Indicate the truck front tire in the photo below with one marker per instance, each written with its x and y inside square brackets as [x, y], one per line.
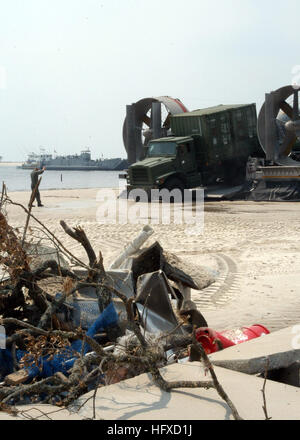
[175, 183]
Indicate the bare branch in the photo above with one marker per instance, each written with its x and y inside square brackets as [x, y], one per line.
[264, 392]
[217, 384]
[35, 189]
[8, 200]
[79, 235]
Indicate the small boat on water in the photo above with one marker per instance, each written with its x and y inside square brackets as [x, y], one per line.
[76, 162]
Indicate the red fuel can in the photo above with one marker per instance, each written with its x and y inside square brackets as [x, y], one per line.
[213, 341]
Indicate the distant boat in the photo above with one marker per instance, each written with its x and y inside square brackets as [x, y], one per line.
[81, 162]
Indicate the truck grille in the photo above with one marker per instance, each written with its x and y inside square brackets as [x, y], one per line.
[139, 175]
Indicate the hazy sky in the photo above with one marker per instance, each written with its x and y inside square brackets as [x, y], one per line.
[71, 66]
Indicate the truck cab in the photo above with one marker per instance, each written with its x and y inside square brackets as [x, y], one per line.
[169, 163]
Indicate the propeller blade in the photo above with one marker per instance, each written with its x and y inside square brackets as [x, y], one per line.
[288, 143]
[296, 116]
[287, 109]
[146, 120]
[166, 123]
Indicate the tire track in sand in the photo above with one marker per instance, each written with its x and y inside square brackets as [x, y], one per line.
[224, 289]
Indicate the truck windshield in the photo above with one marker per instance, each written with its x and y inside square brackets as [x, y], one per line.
[162, 149]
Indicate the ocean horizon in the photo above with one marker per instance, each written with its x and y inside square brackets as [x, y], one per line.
[17, 179]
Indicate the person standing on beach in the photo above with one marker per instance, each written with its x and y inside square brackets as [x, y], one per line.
[34, 180]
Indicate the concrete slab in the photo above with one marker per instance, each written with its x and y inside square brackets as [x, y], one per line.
[140, 399]
[279, 348]
[289, 375]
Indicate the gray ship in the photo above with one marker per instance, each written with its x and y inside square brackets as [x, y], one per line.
[81, 162]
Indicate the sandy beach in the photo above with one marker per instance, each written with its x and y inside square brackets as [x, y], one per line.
[252, 247]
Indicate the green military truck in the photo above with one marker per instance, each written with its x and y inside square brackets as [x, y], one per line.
[207, 147]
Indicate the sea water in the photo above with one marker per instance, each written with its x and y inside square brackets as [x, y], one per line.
[17, 179]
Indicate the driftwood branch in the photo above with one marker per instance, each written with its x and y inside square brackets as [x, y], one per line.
[53, 237]
[79, 235]
[39, 387]
[34, 191]
[168, 386]
[3, 194]
[208, 365]
[96, 269]
[55, 269]
[264, 392]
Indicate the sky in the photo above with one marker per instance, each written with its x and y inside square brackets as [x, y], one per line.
[68, 68]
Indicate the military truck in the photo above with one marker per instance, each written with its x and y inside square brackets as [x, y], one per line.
[207, 147]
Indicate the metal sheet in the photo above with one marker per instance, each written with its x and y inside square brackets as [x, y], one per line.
[153, 322]
[85, 305]
[152, 259]
[122, 281]
[154, 305]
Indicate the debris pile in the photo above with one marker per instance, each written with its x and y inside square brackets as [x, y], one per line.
[73, 327]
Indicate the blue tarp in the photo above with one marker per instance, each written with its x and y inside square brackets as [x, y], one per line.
[63, 361]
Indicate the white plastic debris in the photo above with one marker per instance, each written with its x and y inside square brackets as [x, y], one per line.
[133, 247]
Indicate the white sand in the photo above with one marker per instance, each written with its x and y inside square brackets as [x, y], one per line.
[253, 246]
[10, 164]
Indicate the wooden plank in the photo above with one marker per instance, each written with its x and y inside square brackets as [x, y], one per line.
[17, 378]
